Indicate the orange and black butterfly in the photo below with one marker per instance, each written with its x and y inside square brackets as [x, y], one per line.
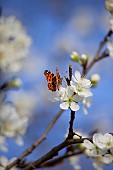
[54, 81]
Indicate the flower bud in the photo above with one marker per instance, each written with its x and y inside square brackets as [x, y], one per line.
[15, 83]
[84, 59]
[95, 78]
[74, 56]
[109, 5]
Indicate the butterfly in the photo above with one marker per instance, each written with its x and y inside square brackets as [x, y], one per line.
[54, 81]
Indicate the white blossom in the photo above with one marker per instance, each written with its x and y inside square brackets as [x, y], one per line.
[101, 149]
[11, 123]
[103, 142]
[81, 85]
[4, 162]
[110, 48]
[24, 102]
[68, 98]
[14, 44]
[70, 95]
[101, 145]
[92, 148]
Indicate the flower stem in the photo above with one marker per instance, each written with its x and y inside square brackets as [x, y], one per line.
[71, 132]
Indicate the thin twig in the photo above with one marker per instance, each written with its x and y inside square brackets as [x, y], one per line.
[34, 145]
[70, 72]
[98, 57]
[70, 76]
[54, 152]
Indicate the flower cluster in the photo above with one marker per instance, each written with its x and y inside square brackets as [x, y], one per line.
[14, 44]
[101, 147]
[78, 90]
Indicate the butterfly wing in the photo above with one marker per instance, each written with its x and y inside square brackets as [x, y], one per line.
[51, 79]
[58, 79]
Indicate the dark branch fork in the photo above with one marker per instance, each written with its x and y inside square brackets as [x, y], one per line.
[54, 152]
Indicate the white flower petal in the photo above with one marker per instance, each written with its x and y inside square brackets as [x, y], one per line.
[102, 152]
[19, 140]
[98, 139]
[108, 138]
[69, 91]
[77, 75]
[74, 106]
[78, 98]
[107, 158]
[85, 93]
[85, 110]
[88, 144]
[73, 79]
[64, 105]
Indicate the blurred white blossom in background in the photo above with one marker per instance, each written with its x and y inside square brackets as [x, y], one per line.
[74, 162]
[24, 102]
[86, 103]
[14, 44]
[11, 123]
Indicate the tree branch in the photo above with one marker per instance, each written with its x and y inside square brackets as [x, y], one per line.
[53, 162]
[60, 159]
[54, 152]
